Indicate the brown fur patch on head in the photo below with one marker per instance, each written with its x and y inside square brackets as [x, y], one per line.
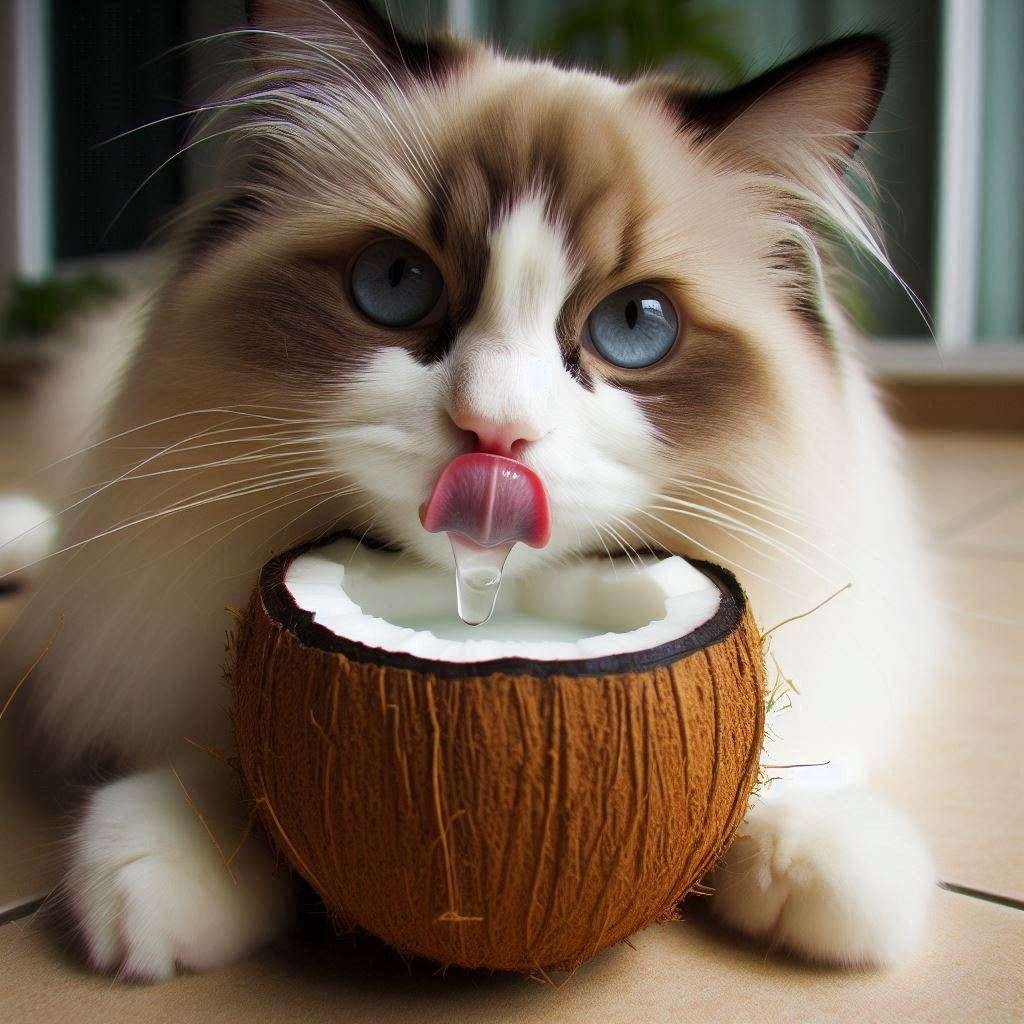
[536, 138]
[581, 146]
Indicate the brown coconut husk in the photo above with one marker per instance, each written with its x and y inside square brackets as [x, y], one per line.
[512, 816]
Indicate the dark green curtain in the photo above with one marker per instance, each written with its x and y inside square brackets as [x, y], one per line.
[111, 71]
[114, 68]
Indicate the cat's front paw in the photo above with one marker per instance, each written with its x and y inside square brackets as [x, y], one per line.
[151, 892]
[839, 877]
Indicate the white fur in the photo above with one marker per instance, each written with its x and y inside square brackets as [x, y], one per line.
[142, 586]
[507, 379]
[836, 875]
[150, 889]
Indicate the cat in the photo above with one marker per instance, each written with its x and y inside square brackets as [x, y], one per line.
[422, 248]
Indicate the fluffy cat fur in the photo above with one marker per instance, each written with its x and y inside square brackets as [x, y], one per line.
[259, 408]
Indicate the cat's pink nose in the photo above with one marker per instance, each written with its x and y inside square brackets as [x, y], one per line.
[494, 438]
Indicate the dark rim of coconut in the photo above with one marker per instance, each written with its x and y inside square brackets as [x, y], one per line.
[281, 607]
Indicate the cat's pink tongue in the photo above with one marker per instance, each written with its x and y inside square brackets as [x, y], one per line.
[490, 501]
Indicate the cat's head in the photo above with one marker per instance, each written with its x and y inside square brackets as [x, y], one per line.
[433, 248]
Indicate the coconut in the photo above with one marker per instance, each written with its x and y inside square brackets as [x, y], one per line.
[515, 796]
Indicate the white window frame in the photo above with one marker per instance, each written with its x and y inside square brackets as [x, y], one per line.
[26, 204]
[960, 157]
[956, 351]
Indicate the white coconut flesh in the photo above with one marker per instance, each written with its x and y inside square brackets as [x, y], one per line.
[591, 609]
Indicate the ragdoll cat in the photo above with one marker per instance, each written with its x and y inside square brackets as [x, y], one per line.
[425, 249]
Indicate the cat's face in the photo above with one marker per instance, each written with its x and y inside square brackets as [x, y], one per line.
[537, 262]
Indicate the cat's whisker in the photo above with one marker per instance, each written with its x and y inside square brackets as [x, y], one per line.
[725, 559]
[736, 536]
[284, 430]
[734, 525]
[180, 152]
[581, 508]
[341, 492]
[271, 482]
[767, 502]
[300, 457]
[261, 455]
[292, 436]
[274, 505]
[290, 100]
[133, 536]
[236, 489]
[96, 492]
[241, 485]
[786, 549]
[617, 537]
[219, 410]
[131, 473]
[141, 520]
[646, 539]
[632, 528]
[861, 553]
[329, 495]
[599, 534]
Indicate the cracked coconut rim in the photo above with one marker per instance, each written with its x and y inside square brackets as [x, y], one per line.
[591, 618]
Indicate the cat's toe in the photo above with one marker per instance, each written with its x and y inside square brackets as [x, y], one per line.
[151, 892]
[839, 877]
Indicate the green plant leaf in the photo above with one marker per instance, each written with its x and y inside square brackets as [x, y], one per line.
[38, 307]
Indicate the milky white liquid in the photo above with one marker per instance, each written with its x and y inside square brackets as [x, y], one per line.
[507, 626]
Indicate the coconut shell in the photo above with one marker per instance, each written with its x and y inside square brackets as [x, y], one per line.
[510, 815]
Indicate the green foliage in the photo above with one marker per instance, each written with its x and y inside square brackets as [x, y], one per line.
[37, 307]
[629, 36]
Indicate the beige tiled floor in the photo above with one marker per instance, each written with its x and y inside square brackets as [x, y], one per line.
[960, 774]
[675, 974]
[959, 473]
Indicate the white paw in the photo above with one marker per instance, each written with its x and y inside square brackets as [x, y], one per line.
[150, 891]
[27, 533]
[839, 877]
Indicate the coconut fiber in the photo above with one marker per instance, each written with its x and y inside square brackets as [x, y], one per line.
[515, 816]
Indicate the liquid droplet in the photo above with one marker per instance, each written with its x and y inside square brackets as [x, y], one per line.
[477, 578]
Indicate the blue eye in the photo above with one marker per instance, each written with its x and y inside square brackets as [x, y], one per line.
[394, 283]
[634, 327]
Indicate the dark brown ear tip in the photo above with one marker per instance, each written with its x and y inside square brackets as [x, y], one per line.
[872, 47]
[875, 51]
[870, 44]
[255, 11]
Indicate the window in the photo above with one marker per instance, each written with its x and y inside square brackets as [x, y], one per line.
[946, 148]
[1000, 298]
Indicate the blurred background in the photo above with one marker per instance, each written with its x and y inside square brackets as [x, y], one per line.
[79, 205]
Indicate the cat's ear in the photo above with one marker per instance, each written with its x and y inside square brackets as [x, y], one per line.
[817, 106]
[371, 38]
